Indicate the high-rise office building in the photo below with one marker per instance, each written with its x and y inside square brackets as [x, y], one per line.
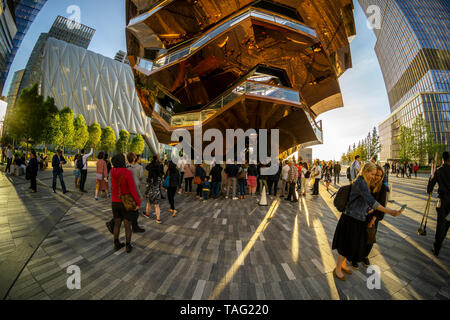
[8, 30]
[23, 12]
[13, 94]
[62, 29]
[121, 56]
[413, 50]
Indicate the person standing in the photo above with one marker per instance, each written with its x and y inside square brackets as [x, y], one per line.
[337, 172]
[284, 179]
[138, 177]
[304, 177]
[189, 172]
[33, 168]
[356, 167]
[76, 172]
[174, 180]
[181, 163]
[327, 174]
[122, 183]
[232, 171]
[57, 163]
[200, 175]
[9, 159]
[316, 174]
[292, 180]
[216, 179]
[251, 179]
[242, 179]
[416, 169]
[84, 167]
[101, 175]
[153, 190]
[442, 178]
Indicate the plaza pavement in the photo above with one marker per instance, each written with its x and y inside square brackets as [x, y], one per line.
[221, 249]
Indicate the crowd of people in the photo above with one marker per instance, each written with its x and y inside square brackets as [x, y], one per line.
[403, 169]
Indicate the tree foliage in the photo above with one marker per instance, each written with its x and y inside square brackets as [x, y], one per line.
[66, 127]
[137, 144]
[81, 133]
[366, 148]
[95, 135]
[406, 144]
[108, 139]
[122, 144]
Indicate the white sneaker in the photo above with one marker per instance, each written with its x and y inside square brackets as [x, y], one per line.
[235, 198]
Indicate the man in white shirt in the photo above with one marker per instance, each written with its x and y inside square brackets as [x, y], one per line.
[356, 167]
[316, 173]
[284, 178]
[84, 169]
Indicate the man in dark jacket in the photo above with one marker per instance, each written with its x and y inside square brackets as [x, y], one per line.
[337, 172]
[442, 178]
[216, 175]
[273, 181]
[232, 171]
[57, 163]
[33, 168]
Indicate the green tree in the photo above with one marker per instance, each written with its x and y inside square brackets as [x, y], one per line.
[25, 122]
[95, 135]
[66, 127]
[123, 143]
[375, 146]
[137, 144]
[108, 139]
[81, 133]
[51, 128]
[406, 144]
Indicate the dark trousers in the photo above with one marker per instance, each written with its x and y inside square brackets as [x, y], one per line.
[215, 189]
[199, 189]
[171, 195]
[61, 180]
[33, 183]
[181, 179]
[83, 179]
[316, 186]
[273, 184]
[442, 224]
[8, 165]
[241, 187]
[336, 178]
[292, 194]
[188, 184]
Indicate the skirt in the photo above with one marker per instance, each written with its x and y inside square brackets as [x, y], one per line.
[77, 173]
[251, 180]
[153, 192]
[350, 238]
[119, 212]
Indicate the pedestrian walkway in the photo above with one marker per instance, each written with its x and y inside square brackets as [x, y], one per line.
[221, 249]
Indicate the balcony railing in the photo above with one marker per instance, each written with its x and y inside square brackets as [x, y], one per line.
[148, 68]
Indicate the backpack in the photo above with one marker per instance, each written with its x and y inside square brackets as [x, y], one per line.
[341, 198]
[348, 174]
[80, 163]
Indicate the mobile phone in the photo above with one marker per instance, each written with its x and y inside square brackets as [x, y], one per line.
[403, 207]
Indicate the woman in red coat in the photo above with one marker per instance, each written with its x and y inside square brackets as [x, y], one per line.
[120, 214]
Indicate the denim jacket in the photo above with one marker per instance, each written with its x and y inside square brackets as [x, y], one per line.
[361, 201]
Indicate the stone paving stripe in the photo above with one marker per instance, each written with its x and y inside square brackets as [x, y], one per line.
[288, 271]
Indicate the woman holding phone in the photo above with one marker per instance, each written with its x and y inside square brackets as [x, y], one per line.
[350, 238]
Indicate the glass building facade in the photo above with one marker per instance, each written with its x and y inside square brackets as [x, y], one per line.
[25, 11]
[413, 50]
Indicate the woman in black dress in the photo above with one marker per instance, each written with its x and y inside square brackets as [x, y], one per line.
[153, 191]
[174, 180]
[350, 238]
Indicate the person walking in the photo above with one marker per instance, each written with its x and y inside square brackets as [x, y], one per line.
[337, 172]
[33, 168]
[327, 174]
[416, 169]
[316, 174]
[122, 184]
[350, 237]
[252, 173]
[305, 171]
[57, 163]
[216, 180]
[174, 180]
[101, 176]
[9, 160]
[292, 180]
[284, 179]
[84, 167]
[232, 170]
[180, 165]
[153, 190]
[442, 178]
[355, 167]
[138, 178]
[189, 172]
[206, 188]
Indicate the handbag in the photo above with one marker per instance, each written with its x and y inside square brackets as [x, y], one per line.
[127, 199]
[197, 180]
[371, 235]
[166, 183]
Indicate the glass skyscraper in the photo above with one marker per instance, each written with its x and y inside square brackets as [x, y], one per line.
[413, 50]
[24, 11]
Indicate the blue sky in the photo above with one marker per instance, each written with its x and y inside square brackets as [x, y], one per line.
[365, 98]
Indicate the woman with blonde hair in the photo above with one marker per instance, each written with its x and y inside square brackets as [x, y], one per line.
[350, 238]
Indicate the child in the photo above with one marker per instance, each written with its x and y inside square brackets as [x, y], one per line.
[206, 188]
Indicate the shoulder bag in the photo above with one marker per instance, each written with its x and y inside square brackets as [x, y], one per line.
[127, 199]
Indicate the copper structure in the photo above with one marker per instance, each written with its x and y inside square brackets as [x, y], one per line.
[240, 63]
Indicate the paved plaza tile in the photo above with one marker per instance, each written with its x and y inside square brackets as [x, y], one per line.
[221, 249]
